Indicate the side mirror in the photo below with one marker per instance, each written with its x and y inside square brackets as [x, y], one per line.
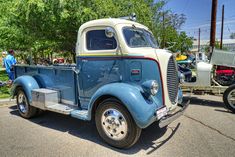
[109, 32]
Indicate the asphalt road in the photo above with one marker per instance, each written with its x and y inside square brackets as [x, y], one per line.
[206, 129]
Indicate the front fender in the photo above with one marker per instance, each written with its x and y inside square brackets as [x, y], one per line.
[142, 110]
[28, 83]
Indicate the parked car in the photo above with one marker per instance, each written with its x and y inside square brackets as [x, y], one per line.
[206, 80]
[180, 57]
[121, 80]
[186, 62]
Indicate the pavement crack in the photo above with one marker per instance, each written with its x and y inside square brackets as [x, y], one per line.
[214, 129]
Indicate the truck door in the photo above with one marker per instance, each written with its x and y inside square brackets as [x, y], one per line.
[100, 64]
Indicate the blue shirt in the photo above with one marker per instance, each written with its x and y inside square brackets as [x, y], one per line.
[8, 62]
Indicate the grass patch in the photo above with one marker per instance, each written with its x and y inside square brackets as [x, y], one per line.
[5, 90]
[3, 75]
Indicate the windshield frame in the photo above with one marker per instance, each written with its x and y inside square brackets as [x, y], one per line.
[151, 39]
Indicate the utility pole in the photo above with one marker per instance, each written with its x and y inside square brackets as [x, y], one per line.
[199, 38]
[163, 25]
[213, 25]
[222, 29]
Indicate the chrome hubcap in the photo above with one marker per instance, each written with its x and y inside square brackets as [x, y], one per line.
[114, 124]
[22, 102]
[231, 98]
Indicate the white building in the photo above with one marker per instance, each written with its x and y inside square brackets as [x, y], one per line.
[228, 43]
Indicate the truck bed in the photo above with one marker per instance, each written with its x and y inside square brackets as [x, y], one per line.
[60, 78]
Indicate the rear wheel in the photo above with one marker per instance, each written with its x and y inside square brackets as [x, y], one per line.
[24, 108]
[115, 124]
[225, 80]
[229, 98]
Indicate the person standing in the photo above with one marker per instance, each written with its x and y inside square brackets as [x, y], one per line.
[4, 53]
[9, 61]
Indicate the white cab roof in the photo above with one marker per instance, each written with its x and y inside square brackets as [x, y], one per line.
[112, 22]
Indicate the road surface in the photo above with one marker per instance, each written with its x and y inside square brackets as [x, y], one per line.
[206, 129]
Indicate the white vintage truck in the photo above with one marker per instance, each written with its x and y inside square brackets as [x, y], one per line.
[121, 80]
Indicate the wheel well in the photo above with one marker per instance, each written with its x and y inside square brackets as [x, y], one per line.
[98, 101]
[15, 90]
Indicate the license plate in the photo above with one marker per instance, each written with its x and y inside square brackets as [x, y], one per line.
[162, 112]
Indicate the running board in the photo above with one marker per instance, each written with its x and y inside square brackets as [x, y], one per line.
[69, 110]
[61, 108]
[80, 114]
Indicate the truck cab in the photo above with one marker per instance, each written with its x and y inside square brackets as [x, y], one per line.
[121, 80]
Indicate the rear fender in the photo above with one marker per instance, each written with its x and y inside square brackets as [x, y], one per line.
[28, 83]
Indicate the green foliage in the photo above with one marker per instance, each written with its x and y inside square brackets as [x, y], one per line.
[166, 24]
[3, 75]
[217, 46]
[4, 91]
[42, 27]
[185, 42]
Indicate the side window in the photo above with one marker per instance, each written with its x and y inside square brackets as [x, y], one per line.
[97, 40]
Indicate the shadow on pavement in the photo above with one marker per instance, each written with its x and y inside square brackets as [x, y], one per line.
[173, 131]
[87, 130]
[225, 111]
[13, 107]
[203, 102]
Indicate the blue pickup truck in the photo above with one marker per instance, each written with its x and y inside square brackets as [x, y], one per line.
[121, 80]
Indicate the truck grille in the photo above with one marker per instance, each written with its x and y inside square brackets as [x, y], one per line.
[172, 80]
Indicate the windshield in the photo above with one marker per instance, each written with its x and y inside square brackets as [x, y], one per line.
[136, 37]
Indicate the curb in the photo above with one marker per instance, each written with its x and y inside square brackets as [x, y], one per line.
[6, 102]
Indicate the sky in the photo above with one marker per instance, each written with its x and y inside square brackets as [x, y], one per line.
[198, 14]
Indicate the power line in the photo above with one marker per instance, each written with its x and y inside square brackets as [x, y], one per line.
[192, 24]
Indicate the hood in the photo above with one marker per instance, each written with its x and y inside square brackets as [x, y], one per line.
[163, 57]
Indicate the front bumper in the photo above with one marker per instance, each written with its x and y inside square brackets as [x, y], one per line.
[170, 117]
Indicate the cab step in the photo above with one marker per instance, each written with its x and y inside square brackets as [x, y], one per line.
[61, 108]
[80, 114]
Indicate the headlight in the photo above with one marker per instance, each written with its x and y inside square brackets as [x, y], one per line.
[182, 78]
[150, 87]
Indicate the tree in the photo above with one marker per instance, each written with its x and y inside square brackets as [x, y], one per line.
[42, 27]
[166, 26]
[217, 46]
[185, 42]
[39, 22]
[232, 36]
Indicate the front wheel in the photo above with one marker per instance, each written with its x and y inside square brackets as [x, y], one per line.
[115, 124]
[24, 108]
[229, 98]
